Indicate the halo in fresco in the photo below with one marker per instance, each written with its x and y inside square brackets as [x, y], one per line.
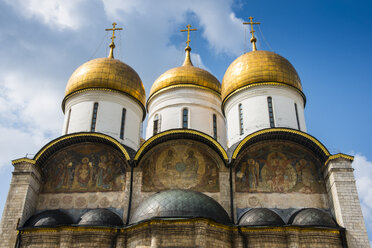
[277, 166]
[180, 164]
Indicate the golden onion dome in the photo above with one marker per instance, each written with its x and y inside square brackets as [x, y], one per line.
[185, 76]
[106, 74]
[259, 68]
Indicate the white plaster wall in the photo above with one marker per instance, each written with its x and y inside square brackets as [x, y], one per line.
[202, 104]
[256, 113]
[110, 105]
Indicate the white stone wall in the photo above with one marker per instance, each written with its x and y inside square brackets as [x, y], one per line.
[21, 201]
[344, 201]
[256, 113]
[202, 104]
[110, 106]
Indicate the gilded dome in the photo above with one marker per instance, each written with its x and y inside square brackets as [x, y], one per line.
[185, 76]
[258, 67]
[107, 73]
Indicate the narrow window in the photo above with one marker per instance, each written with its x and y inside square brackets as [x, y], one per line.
[271, 113]
[298, 120]
[122, 123]
[94, 117]
[185, 118]
[68, 120]
[214, 126]
[241, 127]
[156, 124]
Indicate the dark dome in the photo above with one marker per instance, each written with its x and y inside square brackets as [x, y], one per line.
[178, 203]
[312, 217]
[261, 217]
[100, 217]
[48, 218]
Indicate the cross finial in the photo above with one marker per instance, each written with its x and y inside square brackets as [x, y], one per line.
[188, 48]
[253, 39]
[188, 33]
[112, 45]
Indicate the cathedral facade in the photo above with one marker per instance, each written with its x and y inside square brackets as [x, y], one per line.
[222, 165]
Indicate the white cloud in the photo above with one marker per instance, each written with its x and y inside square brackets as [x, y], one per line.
[152, 26]
[363, 176]
[215, 16]
[59, 14]
[29, 114]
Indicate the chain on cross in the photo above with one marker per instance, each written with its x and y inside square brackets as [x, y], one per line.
[253, 39]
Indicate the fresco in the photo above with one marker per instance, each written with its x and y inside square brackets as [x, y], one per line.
[180, 164]
[282, 167]
[84, 167]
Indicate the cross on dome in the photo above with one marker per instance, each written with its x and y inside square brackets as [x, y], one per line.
[112, 45]
[188, 48]
[188, 33]
[253, 39]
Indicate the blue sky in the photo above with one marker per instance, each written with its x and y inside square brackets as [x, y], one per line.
[328, 42]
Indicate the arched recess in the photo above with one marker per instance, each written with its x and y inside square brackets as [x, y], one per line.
[279, 168]
[82, 163]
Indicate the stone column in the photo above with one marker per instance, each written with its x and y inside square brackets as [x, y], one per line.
[21, 201]
[344, 200]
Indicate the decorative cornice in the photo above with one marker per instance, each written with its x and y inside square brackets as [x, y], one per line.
[180, 131]
[180, 86]
[70, 136]
[193, 221]
[68, 228]
[103, 89]
[23, 160]
[284, 130]
[339, 155]
[289, 229]
[261, 84]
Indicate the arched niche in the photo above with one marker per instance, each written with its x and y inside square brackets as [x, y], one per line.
[181, 164]
[278, 166]
[85, 166]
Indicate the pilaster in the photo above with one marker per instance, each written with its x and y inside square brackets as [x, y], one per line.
[344, 200]
[21, 200]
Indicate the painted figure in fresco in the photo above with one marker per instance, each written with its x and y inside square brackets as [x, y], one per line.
[300, 166]
[104, 173]
[254, 173]
[83, 174]
[249, 173]
[192, 164]
[278, 172]
[59, 175]
[168, 161]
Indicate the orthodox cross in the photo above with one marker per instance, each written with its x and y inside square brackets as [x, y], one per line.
[253, 39]
[112, 45]
[188, 33]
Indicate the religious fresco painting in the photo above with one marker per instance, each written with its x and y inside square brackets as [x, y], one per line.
[281, 167]
[180, 164]
[85, 167]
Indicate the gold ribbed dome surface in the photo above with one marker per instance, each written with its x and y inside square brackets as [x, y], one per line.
[186, 75]
[107, 73]
[259, 67]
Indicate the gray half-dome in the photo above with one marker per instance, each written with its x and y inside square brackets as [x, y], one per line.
[312, 217]
[100, 217]
[179, 203]
[261, 217]
[49, 218]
